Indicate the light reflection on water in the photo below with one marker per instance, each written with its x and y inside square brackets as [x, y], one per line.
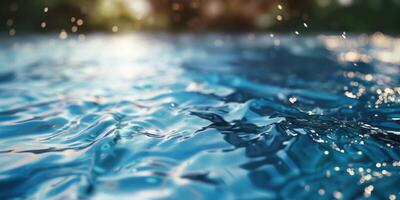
[200, 116]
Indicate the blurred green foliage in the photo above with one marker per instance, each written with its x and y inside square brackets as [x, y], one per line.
[202, 15]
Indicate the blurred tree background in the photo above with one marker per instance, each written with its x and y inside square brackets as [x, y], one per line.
[77, 16]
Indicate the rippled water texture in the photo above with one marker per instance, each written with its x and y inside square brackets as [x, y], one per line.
[156, 116]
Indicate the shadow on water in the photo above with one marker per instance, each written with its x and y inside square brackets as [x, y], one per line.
[296, 145]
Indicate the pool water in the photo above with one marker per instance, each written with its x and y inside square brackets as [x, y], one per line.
[161, 116]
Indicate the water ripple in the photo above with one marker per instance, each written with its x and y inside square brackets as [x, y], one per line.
[241, 118]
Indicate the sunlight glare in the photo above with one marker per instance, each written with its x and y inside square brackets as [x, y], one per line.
[139, 8]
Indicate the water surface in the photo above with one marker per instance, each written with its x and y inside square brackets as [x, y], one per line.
[158, 116]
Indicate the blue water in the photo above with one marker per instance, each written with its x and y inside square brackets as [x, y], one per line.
[159, 116]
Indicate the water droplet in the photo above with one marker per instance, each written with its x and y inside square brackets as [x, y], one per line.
[43, 24]
[344, 35]
[79, 22]
[368, 77]
[10, 22]
[74, 29]
[338, 195]
[12, 32]
[63, 35]
[368, 190]
[114, 29]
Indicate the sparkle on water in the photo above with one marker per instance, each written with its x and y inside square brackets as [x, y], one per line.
[157, 116]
